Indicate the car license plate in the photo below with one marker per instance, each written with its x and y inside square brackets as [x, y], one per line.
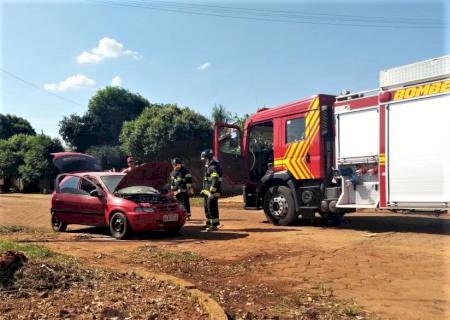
[170, 217]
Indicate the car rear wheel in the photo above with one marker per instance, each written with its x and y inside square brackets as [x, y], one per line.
[119, 226]
[279, 206]
[57, 225]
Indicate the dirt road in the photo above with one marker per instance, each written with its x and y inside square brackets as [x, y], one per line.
[393, 265]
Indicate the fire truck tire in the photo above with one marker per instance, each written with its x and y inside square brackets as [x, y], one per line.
[279, 206]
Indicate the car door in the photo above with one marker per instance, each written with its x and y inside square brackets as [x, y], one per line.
[73, 204]
[228, 149]
[93, 202]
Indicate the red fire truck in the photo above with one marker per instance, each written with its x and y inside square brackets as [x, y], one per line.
[387, 148]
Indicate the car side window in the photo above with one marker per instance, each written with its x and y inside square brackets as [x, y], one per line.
[87, 187]
[69, 184]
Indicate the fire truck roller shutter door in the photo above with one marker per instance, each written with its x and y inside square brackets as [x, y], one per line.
[419, 152]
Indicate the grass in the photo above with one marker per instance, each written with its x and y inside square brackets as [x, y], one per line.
[173, 256]
[352, 311]
[25, 230]
[13, 229]
[31, 251]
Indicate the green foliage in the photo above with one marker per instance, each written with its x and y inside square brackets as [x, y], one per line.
[28, 157]
[31, 251]
[240, 120]
[109, 156]
[164, 131]
[37, 159]
[102, 123]
[76, 131]
[11, 154]
[221, 115]
[11, 125]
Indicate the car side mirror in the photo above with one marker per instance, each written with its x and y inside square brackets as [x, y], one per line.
[97, 193]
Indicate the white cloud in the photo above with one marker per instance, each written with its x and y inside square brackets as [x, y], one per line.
[204, 66]
[116, 81]
[107, 48]
[74, 82]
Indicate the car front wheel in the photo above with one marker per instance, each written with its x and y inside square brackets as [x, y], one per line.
[119, 226]
[57, 225]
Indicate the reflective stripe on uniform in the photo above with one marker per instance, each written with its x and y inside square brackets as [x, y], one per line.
[214, 220]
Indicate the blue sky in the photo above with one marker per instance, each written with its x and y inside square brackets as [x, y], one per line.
[247, 64]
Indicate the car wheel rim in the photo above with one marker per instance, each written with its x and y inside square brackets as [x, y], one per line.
[278, 206]
[55, 222]
[118, 224]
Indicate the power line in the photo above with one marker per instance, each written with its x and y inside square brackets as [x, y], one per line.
[294, 13]
[276, 15]
[39, 88]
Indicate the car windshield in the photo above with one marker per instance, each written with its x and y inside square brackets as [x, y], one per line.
[111, 181]
[137, 190]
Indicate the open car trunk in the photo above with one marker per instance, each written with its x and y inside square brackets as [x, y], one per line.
[70, 162]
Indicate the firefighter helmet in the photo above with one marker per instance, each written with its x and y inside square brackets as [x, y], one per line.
[207, 154]
[176, 161]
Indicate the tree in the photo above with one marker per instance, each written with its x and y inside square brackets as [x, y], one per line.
[220, 114]
[28, 157]
[11, 155]
[76, 132]
[11, 125]
[164, 131]
[240, 120]
[102, 123]
[37, 158]
[109, 156]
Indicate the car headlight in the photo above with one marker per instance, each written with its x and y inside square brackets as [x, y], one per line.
[144, 209]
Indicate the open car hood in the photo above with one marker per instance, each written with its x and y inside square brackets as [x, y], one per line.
[151, 174]
[68, 162]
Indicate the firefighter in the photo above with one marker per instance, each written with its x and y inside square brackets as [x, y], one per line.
[181, 184]
[211, 190]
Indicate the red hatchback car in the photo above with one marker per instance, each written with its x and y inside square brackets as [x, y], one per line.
[125, 203]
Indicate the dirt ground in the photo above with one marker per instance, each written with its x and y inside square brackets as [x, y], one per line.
[55, 290]
[392, 265]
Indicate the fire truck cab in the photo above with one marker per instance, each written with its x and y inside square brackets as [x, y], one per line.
[385, 148]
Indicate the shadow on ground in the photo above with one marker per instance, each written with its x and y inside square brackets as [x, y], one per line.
[394, 223]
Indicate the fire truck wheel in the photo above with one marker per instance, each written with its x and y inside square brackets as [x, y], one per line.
[279, 206]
